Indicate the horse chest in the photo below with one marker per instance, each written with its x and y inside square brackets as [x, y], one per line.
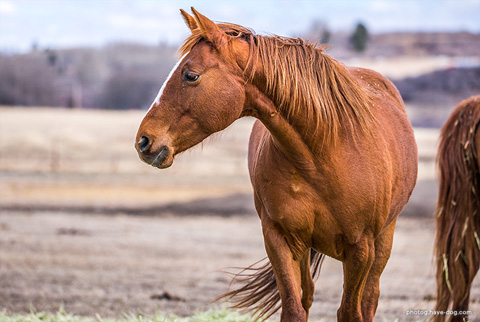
[287, 198]
[294, 205]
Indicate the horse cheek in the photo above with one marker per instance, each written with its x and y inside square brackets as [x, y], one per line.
[224, 104]
[233, 102]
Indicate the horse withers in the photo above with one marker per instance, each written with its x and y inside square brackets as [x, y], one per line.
[332, 157]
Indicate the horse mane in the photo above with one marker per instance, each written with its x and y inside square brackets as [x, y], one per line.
[301, 78]
[457, 245]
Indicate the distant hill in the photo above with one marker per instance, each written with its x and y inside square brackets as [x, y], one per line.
[430, 98]
[387, 45]
[445, 87]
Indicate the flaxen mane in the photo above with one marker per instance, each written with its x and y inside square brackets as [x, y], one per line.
[457, 246]
[300, 75]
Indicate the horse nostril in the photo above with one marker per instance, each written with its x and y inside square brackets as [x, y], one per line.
[143, 144]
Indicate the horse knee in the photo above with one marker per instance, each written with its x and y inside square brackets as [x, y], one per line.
[344, 314]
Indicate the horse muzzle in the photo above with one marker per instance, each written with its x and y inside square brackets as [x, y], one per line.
[161, 157]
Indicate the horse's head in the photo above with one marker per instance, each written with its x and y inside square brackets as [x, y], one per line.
[204, 94]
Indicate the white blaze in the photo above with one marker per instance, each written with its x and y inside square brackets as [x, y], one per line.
[157, 99]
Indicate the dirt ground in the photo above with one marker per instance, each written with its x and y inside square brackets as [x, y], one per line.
[86, 226]
[116, 263]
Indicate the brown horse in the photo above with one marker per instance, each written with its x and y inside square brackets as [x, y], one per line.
[457, 244]
[332, 157]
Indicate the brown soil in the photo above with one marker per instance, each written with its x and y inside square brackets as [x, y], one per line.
[116, 263]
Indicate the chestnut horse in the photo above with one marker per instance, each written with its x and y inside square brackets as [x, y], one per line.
[332, 157]
[457, 244]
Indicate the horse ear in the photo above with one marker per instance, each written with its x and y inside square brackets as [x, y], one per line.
[210, 30]
[189, 20]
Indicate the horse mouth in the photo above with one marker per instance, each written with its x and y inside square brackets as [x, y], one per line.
[163, 159]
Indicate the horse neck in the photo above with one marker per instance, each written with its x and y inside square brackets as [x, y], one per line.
[311, 95]
[319, 112]
[294, 136]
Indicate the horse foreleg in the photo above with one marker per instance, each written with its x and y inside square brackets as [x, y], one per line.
[371, 293]
[287, 273]
[356, 266]
[308, 286]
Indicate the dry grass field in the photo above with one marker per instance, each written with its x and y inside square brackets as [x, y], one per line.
[85, 225]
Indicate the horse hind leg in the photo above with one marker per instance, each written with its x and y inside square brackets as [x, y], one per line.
[371, 292]
[308, 285]
[310, 268]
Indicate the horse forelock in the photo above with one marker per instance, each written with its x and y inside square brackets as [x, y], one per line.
[197, 35]
[302, 80]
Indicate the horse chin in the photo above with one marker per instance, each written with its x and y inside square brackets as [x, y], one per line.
[164, 158]
[166, 164]
[163, 164]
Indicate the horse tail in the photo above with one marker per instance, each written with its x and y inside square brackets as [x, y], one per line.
[457, 243]
[259, 293]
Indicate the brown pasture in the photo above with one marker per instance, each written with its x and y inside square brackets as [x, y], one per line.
[87, 230]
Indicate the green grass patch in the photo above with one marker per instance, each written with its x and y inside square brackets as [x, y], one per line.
[222, 315]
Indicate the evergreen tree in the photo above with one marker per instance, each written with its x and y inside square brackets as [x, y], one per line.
[359, 38]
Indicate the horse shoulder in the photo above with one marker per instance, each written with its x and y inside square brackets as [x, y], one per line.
[257, 136]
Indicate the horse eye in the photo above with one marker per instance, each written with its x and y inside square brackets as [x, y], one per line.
[190, 76]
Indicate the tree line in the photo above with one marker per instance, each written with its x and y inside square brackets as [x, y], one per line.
[118, 76]
[126, 76]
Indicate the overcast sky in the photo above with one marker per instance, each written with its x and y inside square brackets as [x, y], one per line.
[67, 23]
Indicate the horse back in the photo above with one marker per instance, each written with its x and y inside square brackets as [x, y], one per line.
[376, 82]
